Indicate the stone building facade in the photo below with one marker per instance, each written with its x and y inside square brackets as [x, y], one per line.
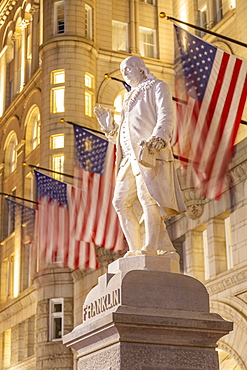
[53, 57]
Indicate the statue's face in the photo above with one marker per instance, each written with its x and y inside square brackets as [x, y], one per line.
[131, 73]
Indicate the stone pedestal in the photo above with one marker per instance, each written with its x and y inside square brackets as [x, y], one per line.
[142, 316]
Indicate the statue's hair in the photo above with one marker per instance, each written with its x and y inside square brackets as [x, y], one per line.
[136, 61]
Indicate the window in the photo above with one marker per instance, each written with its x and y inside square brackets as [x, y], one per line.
[29, 52]
[58, 91]
[36, 131]
[203, 19]
[7, 349]
[56, 319]
[32, 124]
[206, 254]
[10, 154]
[57, 141]
[88, 104]
[59, 23]
[89, 80]
[7, 278]
[228, 235]
[148, 42]
[89, 95]
[151, 2]
[58, 165]
[219, 10]
[88, 21]
[119, 36]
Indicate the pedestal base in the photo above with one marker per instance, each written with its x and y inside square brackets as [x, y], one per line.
[144, 319]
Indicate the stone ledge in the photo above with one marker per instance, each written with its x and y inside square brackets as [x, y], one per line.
[165, 263]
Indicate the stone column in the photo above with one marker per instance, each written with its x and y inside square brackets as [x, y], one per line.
[143, 316]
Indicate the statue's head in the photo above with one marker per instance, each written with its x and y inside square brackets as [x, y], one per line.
[134, 71]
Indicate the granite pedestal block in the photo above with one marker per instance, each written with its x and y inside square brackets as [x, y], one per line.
[142, 317]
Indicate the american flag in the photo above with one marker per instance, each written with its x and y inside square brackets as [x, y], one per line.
[213, 86]
[27, 219]
[56, 216]
[95, 174]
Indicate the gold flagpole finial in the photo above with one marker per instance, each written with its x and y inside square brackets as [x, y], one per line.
[162, 15]
[107, 76]
[62, 120]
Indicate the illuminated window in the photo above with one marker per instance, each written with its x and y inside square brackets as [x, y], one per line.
[7, 349]
[59, 22]
[10, 153]
[119, 36]
[13, 156]
[57, 92]
[58, 77]
[4, 280]
[58, 165]
[57, 141]
[148, 42]
[88, 21]
[32, 124]
[88, 104]
[56, 319]
[206, 254]
[7, 278]
[29, 52]
[36, 131]
[89, 80]
[228, 235]
[57, 96]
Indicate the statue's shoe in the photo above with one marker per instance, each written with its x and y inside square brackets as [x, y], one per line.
[147, 251]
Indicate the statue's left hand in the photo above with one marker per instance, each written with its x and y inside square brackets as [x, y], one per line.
[155, 142]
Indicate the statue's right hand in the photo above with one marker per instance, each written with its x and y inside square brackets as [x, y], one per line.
[104, 118]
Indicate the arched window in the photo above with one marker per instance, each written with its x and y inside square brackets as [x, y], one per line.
[10, 153]
[32, 129]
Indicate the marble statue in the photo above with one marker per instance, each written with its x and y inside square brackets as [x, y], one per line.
[147, 193]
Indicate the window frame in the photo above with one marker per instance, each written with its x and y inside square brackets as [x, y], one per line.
[89, 96]
[89, 22]
[116, 37]
[143, 44]
[53, 315]
[56, 88]
[56, 20]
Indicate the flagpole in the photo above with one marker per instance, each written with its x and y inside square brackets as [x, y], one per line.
[63, 120]
[14, 196]
[47, 169]
[163, 15]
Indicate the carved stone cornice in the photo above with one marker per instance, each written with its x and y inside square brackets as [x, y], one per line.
[227, 281]
[238, 173]
[5, 9]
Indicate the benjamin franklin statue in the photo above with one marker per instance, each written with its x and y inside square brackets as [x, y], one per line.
[146, 194]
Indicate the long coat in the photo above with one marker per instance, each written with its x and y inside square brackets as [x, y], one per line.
[148, 110]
